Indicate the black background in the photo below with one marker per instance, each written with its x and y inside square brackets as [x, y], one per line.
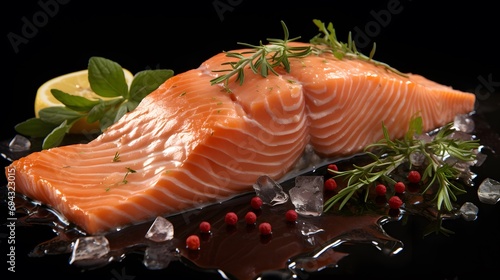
[452, 43]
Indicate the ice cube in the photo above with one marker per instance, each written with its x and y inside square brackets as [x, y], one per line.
[469, 211]
[307, 195]
[480, 159]
[309, 230]
[89, 248]
[417, 158]
[489, 191]
[269, 191]
[159, 257]
[161, 230]
[464, 123]
[19, 143]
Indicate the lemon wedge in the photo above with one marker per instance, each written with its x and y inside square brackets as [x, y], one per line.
[75, 83]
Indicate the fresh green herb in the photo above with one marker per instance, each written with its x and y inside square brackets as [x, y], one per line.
[388, 154]
[107, 80]
[129, 170]
[262, 59]
[340, 50]
[116, 158]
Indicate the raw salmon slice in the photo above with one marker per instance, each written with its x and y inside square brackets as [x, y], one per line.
[189, 143]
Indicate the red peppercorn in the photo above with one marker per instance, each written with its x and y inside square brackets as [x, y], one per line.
[330, 184]
[291, 215]
[380, 189]
[193, 242]
[205, 227]
[256, 202]
[250, 218]
[414, 176]
[265, 228]
[332, 167]
[395, 202]
[231, 218]
[399, 187]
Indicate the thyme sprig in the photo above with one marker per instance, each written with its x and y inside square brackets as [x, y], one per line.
[327, 37]
[262, 58]
[392, 153]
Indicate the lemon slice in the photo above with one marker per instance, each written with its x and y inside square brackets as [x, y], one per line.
[76, 83]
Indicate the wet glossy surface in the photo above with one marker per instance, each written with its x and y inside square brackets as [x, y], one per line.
[363, 236]
[416, 36]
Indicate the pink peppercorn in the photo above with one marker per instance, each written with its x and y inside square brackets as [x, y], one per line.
[231, 218]
[332, 167]
[291, 215]
[250, 218]
[330, 184]
[256, 202]
[205, 227]
[399, 187]
[265, 228]
[193, 242]
[380, 189]
[395, 202]
[414, 176]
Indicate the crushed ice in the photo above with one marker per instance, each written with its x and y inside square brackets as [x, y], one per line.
[270, 191]
[161, 230]
[309, 232]
[489, 191]
[464, 123]
[89, 248]
[469, 211]
[307, 195]
[19, 143]
[159, 256]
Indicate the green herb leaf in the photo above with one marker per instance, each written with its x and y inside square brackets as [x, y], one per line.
[74, 102]
[262, 59]
[106, 78]
[122, 110]
[108, 118]
[56, 136]
[35, 128]
[328, 40]
[58, 114]
[392, 153]
[146, 81]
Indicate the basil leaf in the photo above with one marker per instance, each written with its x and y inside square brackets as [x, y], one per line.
[96, 112]
[146, 81]
[34, 127]
[74, 102]
[132, 104]
[122, 110]
[106, 78]
[55, 137]
[58, 114]
[108, 118]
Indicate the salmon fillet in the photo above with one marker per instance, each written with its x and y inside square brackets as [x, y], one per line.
[189, 143]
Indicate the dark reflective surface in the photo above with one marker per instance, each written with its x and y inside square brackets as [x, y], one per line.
[451, 45]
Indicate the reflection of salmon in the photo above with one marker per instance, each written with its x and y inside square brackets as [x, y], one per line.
[190, 143]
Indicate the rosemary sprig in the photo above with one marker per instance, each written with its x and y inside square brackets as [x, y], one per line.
[392, 153]
[341, 50]
[262, 59]
[129, 170]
